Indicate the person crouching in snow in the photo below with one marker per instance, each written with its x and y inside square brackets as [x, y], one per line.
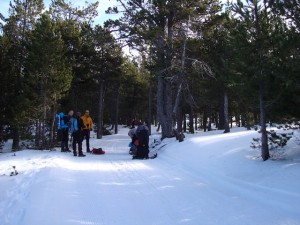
[131, 134]
[76, 132]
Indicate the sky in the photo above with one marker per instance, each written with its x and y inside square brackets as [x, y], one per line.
[100, 19]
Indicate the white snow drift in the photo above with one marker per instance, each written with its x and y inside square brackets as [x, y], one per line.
[210, 178]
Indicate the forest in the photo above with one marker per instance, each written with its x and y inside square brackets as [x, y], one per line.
[199, 64]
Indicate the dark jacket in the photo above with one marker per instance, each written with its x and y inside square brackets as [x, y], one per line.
[80, 123]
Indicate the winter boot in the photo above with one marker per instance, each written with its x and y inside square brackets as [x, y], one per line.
[80, 154]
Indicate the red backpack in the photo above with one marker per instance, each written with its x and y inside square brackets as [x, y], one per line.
[98, 151]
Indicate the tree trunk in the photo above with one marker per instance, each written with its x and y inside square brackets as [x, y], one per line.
[264, 136]
[100, 110]
[164, 107]
[209, 119]
[179, 119]
[44, 125]
[177, 110]
[158, 127]
[169, 119]
[16, 138]
[1, 138]
[204, 121]
[184, 122]
[150, 107]
[191, 121]
[37, 133]
[259, 44]
[243, 119]
[226, 115]
[237, 120]
[164, 44]
[248, 121]
[221, 125]
[155, 121]
[196, 122]
[117, 112]
[52, 129]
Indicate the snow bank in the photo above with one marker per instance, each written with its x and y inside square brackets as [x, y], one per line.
[210, 178]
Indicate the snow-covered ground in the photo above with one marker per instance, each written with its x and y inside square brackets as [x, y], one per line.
[209, 179]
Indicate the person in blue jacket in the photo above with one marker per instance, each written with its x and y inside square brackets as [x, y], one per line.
[65, 131]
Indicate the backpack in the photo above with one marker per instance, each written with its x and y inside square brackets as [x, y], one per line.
[60, 121]
[98, 151]
[73, 125]
[143, 137]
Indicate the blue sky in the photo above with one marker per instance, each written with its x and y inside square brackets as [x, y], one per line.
[103, 5]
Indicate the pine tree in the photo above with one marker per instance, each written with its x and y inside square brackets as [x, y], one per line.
[17, 35]
[157, 24]
[260, 33]
[49, 72]
[106, 62]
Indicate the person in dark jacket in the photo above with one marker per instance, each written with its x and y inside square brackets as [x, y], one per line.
[65, 132]
[77, 134]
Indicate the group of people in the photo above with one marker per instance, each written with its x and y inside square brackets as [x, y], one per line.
[77, 128]
[140, 140]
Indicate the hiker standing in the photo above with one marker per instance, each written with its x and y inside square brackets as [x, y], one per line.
[65, 132]
[76, 132]
[142, 135]
[87, 127]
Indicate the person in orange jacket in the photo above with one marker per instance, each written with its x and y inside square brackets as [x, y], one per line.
[87, 127]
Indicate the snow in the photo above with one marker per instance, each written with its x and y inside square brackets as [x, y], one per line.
[211, 179]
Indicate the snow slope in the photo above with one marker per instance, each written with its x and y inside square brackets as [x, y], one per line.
[209, 179]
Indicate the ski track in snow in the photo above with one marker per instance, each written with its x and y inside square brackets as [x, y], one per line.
[194, 182]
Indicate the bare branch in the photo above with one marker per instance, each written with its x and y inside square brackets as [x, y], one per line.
[203, 67]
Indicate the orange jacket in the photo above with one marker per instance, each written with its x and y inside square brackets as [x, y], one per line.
[87, 122]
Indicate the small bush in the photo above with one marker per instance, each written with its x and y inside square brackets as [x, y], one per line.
[277, 140]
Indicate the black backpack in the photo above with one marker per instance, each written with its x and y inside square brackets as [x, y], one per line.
[143, 137]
